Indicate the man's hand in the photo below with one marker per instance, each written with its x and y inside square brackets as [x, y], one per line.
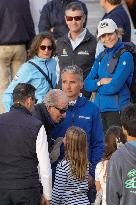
[104, 81]
[44, 201]
[91, 181]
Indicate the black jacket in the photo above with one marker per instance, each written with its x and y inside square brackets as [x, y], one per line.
[16, 24]
[52, 16]
[83, 56]
[18, 158]
[41, 113]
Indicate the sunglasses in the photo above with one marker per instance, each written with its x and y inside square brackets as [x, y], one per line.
[76, 18]
[43, 48]
[62, 111]
[34, 99]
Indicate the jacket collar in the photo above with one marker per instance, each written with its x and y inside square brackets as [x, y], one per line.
[116, 47]
[86, 38]
[81, 100]
[19, 107]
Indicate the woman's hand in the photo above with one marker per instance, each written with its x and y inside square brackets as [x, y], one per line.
[104, 81]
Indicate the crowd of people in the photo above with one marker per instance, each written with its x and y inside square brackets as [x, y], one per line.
[68, 119]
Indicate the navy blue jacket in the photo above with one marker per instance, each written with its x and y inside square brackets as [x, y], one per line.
[52, 16]
[16, 24]
[18, 158]
[121, 18]
[85, 115]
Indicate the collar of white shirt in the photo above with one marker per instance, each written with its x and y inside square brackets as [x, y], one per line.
[78, 40]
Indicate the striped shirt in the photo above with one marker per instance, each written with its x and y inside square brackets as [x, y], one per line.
[67, 189]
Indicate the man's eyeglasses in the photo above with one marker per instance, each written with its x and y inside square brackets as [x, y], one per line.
[62, 111]
[43, 48]
[76, 18]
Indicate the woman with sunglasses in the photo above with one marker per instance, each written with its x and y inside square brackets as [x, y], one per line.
[111, 85]
[40, 54]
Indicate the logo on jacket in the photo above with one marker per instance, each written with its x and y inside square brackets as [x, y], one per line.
[131, 182]
[83, 53]
[64, 52]
[16, 77]
[84, 117]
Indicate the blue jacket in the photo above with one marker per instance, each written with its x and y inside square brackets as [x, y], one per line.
[115, 95]
[85, 115]
[30, 74]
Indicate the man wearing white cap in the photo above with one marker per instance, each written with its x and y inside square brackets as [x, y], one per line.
[111, 86]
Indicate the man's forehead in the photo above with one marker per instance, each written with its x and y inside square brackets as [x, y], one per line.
[73, 13]
[70, 75]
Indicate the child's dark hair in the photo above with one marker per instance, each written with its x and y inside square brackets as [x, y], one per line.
[114, 137]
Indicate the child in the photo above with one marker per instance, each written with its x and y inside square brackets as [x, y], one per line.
[71, 179]
[114, 139]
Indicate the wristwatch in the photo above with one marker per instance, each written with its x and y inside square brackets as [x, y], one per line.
[99, 83]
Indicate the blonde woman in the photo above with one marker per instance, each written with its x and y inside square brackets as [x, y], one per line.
[71, 179]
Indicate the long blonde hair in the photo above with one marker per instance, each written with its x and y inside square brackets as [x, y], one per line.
[76, 151]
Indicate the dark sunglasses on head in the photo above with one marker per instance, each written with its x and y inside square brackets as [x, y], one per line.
[43, 48]
[76, 18]
[62, 111]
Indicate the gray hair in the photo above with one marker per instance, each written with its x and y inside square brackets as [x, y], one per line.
[53, 96]
[74, 6]
[74, 69]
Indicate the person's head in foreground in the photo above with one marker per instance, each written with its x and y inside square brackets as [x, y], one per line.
[56, 103]
[75, 142]
[108, 33]
[114, 138]
[24, 94]
[128, 120]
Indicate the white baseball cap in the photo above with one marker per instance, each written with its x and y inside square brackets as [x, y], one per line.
[106, 26]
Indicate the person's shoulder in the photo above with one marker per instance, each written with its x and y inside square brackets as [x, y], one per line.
[119, 154]
[63, 164]
[48, 5]
[62, 39]
[91, 105]
[99, 165]
[90, 35]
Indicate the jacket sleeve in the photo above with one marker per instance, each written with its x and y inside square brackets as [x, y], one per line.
[22, 76]
[44, 22]
[114, 183]
[90, 83]
[96, 142]
[59, 184]
[123, 70]
[44, 163]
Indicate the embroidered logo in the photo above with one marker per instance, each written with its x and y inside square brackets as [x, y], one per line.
[16, 77]
[64, 52]
[83, 53]
[131, 182]
[124, 63]
[84, 117]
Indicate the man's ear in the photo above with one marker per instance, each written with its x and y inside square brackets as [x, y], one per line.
[81, 84]
[124, 131]
[84, 17]
[65, 19]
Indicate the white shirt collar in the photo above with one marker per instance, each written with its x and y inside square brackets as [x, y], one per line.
[78, 40]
